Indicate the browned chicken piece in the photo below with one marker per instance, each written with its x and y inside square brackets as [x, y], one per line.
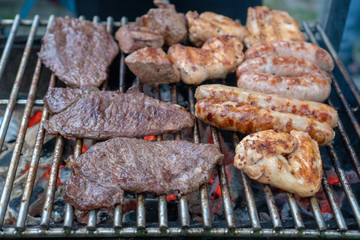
[152, 65]
[167, 21]
[215, 59]
[132, 38]
[288, 161]
[208, 24]
[266, 25]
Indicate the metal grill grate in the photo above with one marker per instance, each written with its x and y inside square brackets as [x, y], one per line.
[348, 111]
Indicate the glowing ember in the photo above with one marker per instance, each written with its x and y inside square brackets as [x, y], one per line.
[217, 193]
[84, 149]
[35, 118]
[171, 197]
[47, 174]
[149, 138]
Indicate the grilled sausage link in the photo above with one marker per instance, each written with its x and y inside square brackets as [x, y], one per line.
[309, 87]
[315, 110]
[282, 66]
[302, 50]
[248, 119]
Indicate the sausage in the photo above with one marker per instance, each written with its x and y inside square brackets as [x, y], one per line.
[281, 66]
[308, 87]
[315, 110]
[249, 119]
[302, 50]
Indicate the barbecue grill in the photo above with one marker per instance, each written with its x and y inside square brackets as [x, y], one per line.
[345, 98]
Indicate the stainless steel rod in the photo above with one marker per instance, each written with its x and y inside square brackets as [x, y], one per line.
[21, 102]
[163, 217]
[19, 76]
[333, 204]
[118, 216]
[270, 201]
[225, 192]
[317, 214]
[91, 225]
[31, 175]
[203, 188]
[140, 211]
[28, 22]
[295, 211]
[345, 183]
[122, 63]
[69, 213]
[50, 192]
[19, 143]
[250, 201]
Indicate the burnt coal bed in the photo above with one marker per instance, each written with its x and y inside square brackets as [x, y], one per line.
[105, 216]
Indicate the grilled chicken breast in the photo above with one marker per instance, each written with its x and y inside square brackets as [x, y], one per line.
[152, 66]
[288, 161]
[209, 24]
[266, 25]
[215, 59]
[132, 38]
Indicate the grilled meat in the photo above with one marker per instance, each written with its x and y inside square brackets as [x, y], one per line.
[58, 99]
[288, 161]
[315, 110]
[167, 21]
[266, 25]
[249, 119]
[208, 25]
[215, 59]
[78, 52]
[113, 114]
[152, 66]
[107, 169]
[281, 66]
[132, 38]
[302, 50]
[309, 87]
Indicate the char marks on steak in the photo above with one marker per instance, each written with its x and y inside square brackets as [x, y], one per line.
[102, 174]
[78, 52]
[104, 115]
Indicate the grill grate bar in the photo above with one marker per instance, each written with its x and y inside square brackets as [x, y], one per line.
[50, 192]
[21, 102]
[225, 192]
[203, 188]
[317, 214]
[184, 208]
[295, 211]
[354, 158]
[69, 213]
[19, 139]
[16, 86]
[9, 42]
[250, 201]
[340, 65]
[345, 183]
[333, 203]
[20, 224]
[270, 201]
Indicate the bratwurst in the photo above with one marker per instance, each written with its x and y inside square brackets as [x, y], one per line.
[302, 50]
[317, 111]
[249, 119]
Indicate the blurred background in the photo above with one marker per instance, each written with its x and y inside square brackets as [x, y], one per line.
[302, 10]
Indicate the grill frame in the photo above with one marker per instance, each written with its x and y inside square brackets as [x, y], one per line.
[45, 229]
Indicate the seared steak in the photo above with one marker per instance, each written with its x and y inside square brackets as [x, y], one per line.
[167, 21]
[101, 175]
[78, 52]
[104, 115]
[152, 65]
[132, 38]
[58, 99]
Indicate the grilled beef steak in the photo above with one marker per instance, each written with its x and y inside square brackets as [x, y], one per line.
[58, 99]
[102, 174]
[78, 52]
[152, 65]
[167, 21]
[113, 114]
[132, 38]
